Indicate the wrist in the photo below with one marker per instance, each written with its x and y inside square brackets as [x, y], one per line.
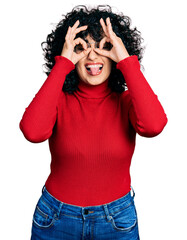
[59, 59]
[123, 57]
[67, 57]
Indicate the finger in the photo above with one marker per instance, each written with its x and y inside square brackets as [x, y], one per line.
[75, 25]
[103, 26]
[108, 20]
[102, 52]
[81, 41]
[68, 33]
[80, 29]
[72, 34]
[74, 29]
[109, 27]
[102, 42]
[84, 53]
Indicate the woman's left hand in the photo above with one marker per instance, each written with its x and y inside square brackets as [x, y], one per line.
[118, 52]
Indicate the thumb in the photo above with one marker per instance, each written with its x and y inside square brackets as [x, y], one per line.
[83, 53]
[102, 52]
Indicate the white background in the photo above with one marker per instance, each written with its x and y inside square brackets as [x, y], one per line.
[158, 167]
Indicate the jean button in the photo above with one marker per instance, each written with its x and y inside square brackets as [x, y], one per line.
[86, 211]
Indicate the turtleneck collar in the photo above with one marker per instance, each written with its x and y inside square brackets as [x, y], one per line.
[87, 90]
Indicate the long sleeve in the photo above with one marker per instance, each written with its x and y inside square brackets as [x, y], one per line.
[145, 112]
[40, 116]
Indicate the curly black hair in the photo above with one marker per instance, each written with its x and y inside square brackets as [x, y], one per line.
[121, 25]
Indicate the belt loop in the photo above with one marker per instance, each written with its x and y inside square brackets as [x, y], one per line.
[59, 209]
[43, 188]
[133, 192]
[107, 212]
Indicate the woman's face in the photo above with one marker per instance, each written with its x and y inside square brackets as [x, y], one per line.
[93, 69]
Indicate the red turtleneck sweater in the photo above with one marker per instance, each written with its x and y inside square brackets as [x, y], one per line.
[92, 132]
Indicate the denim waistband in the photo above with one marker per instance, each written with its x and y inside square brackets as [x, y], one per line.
[88, 211]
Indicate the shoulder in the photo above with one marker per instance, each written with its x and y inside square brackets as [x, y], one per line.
[125, 99]
[124, 96]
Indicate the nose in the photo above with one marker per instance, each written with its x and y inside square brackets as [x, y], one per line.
[92, 54]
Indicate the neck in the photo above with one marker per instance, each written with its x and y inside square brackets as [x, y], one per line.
[87, 90]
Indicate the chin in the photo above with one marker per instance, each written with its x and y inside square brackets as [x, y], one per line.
[95, 81]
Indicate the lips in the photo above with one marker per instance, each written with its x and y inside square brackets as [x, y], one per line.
[94, 69]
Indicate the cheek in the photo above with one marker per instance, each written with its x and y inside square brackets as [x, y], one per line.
[108, 65]
[79, 68]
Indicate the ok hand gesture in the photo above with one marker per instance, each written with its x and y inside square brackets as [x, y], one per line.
[118, 51]
[70, 43]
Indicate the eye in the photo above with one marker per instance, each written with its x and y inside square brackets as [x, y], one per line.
[107, 46]
[78, 48]
[97, 45]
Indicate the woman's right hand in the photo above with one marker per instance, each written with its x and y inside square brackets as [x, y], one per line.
[70, 43]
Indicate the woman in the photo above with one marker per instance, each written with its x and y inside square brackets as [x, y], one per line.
[91, 121]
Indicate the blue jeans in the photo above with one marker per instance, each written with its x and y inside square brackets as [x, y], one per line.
[55, 220]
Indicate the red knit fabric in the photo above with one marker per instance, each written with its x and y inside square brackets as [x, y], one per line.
[92, 132]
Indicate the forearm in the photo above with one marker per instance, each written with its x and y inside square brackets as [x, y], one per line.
[40, 116]
[146, 112]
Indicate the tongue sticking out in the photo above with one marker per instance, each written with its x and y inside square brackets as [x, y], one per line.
[94, 70]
